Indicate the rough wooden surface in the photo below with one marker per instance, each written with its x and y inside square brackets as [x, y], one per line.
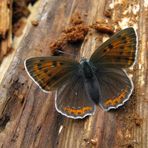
[5, 27]
[28, 116]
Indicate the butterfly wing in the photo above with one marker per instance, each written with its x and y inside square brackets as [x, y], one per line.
[115, 87]
[72, 99]
[50, 72]
[119, 51]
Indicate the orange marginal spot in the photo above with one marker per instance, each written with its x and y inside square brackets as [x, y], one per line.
[117, 100]
[78, 111]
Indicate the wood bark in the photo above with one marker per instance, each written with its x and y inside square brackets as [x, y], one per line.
[28, 115]
[5, 27]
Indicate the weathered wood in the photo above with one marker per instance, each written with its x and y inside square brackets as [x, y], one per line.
[28, 116]
[5, 27]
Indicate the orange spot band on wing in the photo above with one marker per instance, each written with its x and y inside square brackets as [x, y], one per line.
[78, 111]
[117, 100]
[37, 72]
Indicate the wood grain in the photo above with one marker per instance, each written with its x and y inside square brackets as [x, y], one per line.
[28, 116]
[5, 27]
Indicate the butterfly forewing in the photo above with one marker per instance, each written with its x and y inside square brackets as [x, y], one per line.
[72, 99]
[50, 72]
[118, 51]
[115, 87]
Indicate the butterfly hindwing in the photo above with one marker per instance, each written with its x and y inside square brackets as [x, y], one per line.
[119, 51]
[50, 72]
[115, 87]
[72, 99]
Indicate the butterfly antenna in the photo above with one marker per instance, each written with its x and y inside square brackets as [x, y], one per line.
[66, 53]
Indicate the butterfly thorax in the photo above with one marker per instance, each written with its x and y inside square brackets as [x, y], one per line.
[91, 82]
[87, 69]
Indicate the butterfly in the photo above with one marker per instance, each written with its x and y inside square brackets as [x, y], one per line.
[81, 85]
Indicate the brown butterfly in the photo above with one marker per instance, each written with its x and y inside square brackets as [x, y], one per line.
[81, 85]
